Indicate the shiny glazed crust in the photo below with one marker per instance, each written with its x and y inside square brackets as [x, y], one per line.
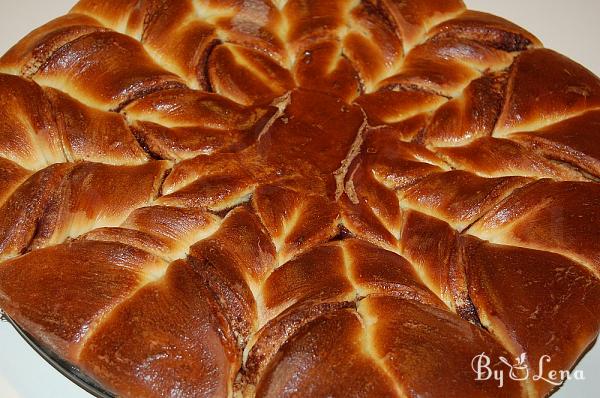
[301, 198]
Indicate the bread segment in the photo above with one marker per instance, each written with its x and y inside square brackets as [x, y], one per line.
[41, 127]
[175, 343]
[98, 69]
[337, 361]
[427, 349]
[558, 325]
[560, 217]
[76, 284]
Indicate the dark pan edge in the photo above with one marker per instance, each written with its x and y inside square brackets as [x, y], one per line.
[68, 370]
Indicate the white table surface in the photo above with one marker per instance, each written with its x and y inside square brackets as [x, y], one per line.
[570, 27]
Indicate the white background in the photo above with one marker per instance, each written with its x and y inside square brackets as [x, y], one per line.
[570, 27]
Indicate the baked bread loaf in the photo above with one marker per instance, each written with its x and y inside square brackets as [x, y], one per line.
[301, 198]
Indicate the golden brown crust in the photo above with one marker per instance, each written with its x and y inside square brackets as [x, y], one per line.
[166, 232]
[572, 141]
[499, 157]
[510, 285]
[106, 70]
[25, 207]
[31, 53]
[561, 217]
[13, 176]
[319, 275]
[337, 362]
[545, 87]
[458, 197]
[182, 123]
[45, 126]
[176, 343]
[428, 349]
[83, 201]
[295, 221]
[268, 340]
[218, 198]
[76, 284]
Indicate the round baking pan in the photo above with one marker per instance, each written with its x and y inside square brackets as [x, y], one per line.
[68, 370]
